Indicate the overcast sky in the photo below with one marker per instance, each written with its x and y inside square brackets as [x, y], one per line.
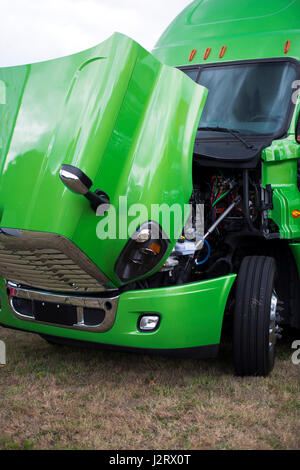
[33, 30]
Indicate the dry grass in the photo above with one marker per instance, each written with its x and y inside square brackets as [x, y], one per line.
[54, 397]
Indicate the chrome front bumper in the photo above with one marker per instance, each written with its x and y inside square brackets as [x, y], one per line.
[78, 307]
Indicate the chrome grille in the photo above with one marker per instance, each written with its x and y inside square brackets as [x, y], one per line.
[47, 261]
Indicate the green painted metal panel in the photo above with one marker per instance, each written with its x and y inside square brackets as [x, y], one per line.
[191, 316]
[100, 110]
[280, 170]
[250, 29]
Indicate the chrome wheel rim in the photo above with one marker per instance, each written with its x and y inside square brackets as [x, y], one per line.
[272, 325]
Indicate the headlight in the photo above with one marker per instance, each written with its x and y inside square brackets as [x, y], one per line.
[143, 252]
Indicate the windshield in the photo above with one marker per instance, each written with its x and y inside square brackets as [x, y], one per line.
[252, 98]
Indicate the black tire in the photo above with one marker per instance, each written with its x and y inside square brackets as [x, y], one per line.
[254, 352]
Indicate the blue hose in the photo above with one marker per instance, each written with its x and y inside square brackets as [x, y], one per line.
[198, 263]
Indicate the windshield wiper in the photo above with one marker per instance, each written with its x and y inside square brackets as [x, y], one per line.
[234, 132]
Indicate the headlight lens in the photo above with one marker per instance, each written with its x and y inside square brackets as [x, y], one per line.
[143, 252]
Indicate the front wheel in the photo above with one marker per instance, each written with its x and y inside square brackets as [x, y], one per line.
[254, 335]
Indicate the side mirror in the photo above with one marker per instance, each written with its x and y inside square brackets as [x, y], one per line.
[75, 180]
[79, 183]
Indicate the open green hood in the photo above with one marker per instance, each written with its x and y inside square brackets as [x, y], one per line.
[115, 112]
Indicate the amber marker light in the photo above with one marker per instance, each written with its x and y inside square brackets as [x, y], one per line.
[287, 47]
[192, 55]
[222, 52]
[155, 247]
[207, 52]
[296, 214]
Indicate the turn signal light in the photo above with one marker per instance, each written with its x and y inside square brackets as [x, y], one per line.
[155, 247]
[296, 214]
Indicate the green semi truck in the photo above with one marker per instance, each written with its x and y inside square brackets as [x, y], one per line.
[205, 130]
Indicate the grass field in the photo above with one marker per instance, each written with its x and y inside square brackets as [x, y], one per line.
[56, 397]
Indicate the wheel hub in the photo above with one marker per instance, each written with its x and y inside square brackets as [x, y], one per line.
[272, 326]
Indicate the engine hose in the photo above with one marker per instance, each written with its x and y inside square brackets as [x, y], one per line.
[199, 263]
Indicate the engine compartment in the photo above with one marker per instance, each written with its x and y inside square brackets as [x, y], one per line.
[229, 211]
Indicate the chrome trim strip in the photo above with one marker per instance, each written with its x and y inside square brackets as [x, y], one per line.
[109, 305]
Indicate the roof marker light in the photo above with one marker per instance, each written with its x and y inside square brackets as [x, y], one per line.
[192, 54]
[287, 46]
[222, 52]
[207, 52]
